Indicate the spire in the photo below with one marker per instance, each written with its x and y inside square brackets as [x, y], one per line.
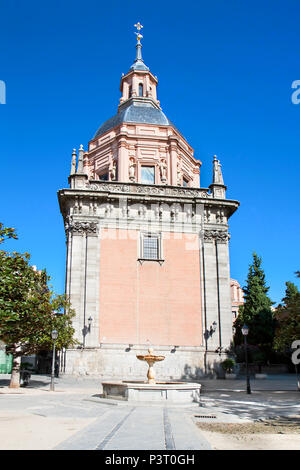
[138, 84]
[73, 164]
[217, 187]
[80, 161]
[139, 63]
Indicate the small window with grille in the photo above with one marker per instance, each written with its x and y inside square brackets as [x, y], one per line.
[150, 246]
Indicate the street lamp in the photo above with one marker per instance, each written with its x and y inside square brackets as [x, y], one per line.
[213, 328]
[245, 331]
[54, 335]
[90, 321]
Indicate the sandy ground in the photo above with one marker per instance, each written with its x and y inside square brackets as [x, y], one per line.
[269, 435]
[24, 431]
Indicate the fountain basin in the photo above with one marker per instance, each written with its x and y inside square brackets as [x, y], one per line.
[163, 392]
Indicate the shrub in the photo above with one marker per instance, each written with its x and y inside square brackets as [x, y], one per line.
[228, 365]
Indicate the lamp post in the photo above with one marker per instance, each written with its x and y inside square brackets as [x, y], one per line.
[54, 335]
[245, 331]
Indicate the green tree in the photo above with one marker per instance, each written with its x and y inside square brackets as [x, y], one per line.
[29, 310]
[291, 292]
[288, 318]
[6, 232]
[256, 311]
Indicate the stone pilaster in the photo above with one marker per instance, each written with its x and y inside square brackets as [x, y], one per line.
[210, 293]
[92, 289]
[217, 288]
[216, 297]
[222, 251]
[82, 275]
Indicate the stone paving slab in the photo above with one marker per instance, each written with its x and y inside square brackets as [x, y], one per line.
[93, 435]
[185, 434]
[138, 428]
[141, 430]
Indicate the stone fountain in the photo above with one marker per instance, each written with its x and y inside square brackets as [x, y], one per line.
[151, 359]
[151, 390]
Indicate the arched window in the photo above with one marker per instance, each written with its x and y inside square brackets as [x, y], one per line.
[130, 92]
[141, 90]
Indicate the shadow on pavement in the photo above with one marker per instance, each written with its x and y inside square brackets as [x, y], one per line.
[32, 383]
[256, 405]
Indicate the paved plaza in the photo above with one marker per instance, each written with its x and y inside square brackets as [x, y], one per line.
[75, 417]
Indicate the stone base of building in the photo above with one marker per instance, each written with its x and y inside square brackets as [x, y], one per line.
[119, 362]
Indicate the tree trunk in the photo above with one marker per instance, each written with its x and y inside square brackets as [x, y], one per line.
[15, 373]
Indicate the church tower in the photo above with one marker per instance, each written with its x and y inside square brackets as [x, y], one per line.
[147, 247]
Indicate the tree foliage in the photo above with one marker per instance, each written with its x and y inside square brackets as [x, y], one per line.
[256, 312]
[7, 232]
[288, 318]
[29, 310]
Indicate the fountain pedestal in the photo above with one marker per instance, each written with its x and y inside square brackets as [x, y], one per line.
[152, 391]
[151, 359]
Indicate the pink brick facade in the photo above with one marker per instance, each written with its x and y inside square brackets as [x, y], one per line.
[151, 301]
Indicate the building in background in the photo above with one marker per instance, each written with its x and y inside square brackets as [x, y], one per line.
[237, 297]
[147, 247]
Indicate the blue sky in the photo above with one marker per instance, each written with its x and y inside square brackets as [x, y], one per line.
[225, 71]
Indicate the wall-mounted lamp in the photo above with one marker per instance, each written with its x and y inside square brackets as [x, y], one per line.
[174, 349]
[90, 320]
[86, 329]
[213, 328]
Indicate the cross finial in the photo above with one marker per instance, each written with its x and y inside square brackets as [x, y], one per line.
[138, 26]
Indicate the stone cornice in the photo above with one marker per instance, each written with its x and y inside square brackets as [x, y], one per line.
[109, 191]
[155, 190]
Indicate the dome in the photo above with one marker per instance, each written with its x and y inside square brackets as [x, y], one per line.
[135, 113]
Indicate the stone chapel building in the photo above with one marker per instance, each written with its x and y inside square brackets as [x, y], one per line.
[147, 247]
